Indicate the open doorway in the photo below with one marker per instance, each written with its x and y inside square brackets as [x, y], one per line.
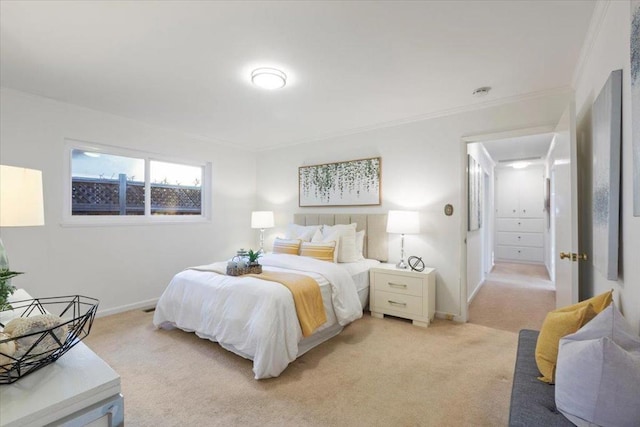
[509, 285]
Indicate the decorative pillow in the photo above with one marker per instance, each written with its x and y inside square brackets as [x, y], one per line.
[346, 240]
[599, 302]
[598, 374]
[286, 246]
[323, 251]
[556, 325]
[302, 232]
[334, 237]
[360, 245]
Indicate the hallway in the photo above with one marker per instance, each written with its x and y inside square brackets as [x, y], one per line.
[513, 297]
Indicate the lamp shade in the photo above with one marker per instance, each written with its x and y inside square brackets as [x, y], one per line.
[403, 222]
[21, 202]
[262, 219]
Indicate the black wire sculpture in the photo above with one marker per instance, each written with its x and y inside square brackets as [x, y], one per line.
[416, 263]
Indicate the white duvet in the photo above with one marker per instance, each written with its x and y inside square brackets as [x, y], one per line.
[252, 317]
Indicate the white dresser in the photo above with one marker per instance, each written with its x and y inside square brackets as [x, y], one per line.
[79, 389]
[403, 293]
[520, 214]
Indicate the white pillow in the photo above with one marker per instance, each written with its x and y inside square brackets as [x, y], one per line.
[346, 240]
[334, 237]
[598, 373]
[360, 245]
[302, 232]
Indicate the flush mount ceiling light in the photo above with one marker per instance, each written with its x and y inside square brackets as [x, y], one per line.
[268, 78]
[520, 165]
[482, 91]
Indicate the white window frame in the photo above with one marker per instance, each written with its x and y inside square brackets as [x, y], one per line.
[68, 219]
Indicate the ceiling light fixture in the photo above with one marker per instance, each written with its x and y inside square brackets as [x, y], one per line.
[520, 165]
[482, 91]
[268, 78]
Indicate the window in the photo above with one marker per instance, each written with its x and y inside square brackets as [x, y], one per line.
[112, 183]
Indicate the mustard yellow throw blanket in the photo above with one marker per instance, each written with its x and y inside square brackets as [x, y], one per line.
[306, 297]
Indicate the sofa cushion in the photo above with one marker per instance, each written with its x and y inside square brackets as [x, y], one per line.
[561, 322]
[556, 325]
[598, 375]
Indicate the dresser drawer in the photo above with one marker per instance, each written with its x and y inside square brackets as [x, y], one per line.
[398, 303]
[395, 283]
[519, 253]
[520, 239]
[533, 225]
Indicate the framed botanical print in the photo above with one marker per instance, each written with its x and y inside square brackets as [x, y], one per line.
[350, 183]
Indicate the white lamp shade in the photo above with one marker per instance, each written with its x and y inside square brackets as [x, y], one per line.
[21, 201]
[262, 219]
[403, 222]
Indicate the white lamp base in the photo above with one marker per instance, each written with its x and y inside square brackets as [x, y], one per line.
[402, 265]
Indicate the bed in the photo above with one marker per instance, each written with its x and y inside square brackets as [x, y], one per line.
[256, 318]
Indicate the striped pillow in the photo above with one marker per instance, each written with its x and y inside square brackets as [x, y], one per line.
[323, 251]
[286, 246]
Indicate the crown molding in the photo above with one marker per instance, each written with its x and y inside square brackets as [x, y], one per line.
[595, 26]
[427, 116]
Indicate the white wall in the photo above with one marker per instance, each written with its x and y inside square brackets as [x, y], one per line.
[480, 242]
[122, 266]
[609, 51]
[422, 168]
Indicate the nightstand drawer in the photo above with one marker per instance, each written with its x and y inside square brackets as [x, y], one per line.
[393, 302]
[398, 284]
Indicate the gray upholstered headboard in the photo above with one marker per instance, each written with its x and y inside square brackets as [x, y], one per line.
[376, 242]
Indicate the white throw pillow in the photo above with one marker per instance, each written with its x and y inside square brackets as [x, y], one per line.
[302, 232]
[346, 240]
[360, 245]
[598, 373]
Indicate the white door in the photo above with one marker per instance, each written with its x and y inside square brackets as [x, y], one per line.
[564, 212]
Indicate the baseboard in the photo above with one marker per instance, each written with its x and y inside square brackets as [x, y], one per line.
[142, 304]
[448, 316]
[475, 292]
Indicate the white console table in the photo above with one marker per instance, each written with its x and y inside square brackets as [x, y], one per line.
[79, 389]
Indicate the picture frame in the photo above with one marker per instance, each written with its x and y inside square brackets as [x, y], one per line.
[606, 122]
[474, 193]
[348, 183]
[635, 101]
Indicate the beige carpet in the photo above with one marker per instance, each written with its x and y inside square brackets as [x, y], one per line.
[378, 372]
[513, 297]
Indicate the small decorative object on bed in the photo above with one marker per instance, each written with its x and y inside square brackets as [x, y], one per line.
[351, 183]
[245, 262]
[42, 330]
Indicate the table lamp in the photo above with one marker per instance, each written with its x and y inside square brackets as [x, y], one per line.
[262, 220]
[21, 201]
[403, 222]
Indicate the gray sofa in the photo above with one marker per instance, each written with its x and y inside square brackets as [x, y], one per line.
[532, 401]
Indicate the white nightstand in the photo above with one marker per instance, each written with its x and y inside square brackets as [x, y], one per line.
[403, 293]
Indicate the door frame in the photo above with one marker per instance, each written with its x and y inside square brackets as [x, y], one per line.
[464, 216]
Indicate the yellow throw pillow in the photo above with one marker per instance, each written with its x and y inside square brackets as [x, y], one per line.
[599, 303]
[323, 251]
[556, 325]
[286, 246]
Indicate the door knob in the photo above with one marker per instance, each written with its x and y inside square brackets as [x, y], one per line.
[573, 256]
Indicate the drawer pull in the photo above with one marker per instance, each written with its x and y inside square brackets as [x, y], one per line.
[401, 304]
[397, 285]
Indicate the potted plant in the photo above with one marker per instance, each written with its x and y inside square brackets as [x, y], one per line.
[6, 289]
[254, 265]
